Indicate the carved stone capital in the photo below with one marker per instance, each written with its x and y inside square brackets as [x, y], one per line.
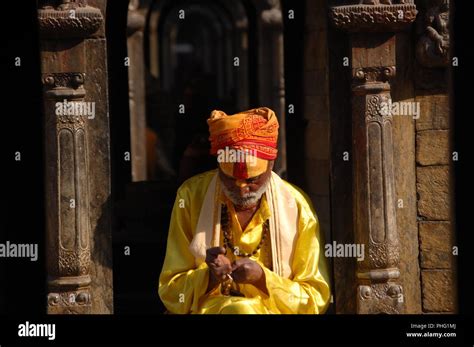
[69, 20]
[64, 85]
[272, 17]
[380, 298]
[135, 22]
[271, 13]
[63, 80]
[69, 299]
[372, 79]
[373, 74]
[373, 18]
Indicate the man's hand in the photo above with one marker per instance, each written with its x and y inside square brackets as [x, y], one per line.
[248, 271]
[219, 266]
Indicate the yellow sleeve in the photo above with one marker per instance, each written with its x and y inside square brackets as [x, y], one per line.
[307, 292]
[182, 284]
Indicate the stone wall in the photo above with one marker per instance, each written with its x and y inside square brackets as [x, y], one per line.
[433, 181]
[434, 156]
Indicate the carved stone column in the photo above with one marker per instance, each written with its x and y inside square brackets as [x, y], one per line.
[63, 56]
[372, 26]
[136, 84]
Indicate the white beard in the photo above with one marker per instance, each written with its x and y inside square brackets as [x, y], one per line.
[248, 200]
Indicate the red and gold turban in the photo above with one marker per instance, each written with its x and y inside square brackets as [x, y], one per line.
[254, 131]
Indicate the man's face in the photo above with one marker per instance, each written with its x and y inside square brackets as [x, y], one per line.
[246, 193]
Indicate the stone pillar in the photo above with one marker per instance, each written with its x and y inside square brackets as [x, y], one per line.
[221, 68]
[167, 37]
[153, 38]
[241, 73]
[272, 77]
[371, 27]
[63, 33]
[136, 85]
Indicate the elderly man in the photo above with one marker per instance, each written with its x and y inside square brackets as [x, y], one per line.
[242, 240]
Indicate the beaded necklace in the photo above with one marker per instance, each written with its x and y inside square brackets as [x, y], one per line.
[225, 224]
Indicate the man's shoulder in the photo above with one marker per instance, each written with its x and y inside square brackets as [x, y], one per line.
[302, 199]
[296, 191]
[198, 184]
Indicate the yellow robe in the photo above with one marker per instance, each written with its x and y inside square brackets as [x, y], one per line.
[182, 285]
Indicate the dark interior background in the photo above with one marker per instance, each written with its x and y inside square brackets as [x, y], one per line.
[142, 209]
[22, 282]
